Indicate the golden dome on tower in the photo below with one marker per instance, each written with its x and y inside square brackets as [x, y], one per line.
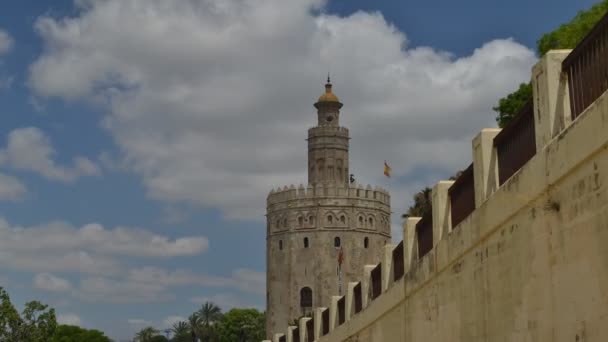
[329, 96]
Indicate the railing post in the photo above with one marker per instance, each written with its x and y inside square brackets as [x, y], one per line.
[485, 165]
[318, 314]
[551, 97]
[366, 284]
[410, 250]
[387, 266]
[277, 337]
[350, 301]
[333, 312]
[290, 330]
[441, 210]
[303, 330]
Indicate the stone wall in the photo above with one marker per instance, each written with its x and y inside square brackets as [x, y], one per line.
[530, 263]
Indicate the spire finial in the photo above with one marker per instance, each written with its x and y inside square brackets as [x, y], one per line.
[328, 79]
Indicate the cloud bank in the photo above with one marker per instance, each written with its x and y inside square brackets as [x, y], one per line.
[209, 101]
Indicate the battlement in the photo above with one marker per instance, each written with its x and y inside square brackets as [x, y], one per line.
[354, 191]
[327, 130]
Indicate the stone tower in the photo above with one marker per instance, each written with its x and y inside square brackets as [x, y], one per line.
[309, 227]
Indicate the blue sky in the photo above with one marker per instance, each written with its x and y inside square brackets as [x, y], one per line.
[145, 136]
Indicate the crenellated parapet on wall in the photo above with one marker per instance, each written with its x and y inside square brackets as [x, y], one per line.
[515, 249]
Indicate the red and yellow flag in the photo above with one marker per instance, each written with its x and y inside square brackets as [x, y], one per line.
[387, 170]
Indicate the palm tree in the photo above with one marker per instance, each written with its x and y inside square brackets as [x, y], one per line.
[209, 314]
[146, 334]
[195, 326]
[180, 330]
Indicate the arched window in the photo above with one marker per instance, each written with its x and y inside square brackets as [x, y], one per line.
[300, 221]
[343, 219]
[306, 297]
[305, 242]
[366, 242]
[361, 220]
[280, 245]
[337, 241]
[371, 222]
[278, 223]
[330, 219]
[311, 220]
[285, 222]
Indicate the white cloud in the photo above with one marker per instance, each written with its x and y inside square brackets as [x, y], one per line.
[91, 249]
[209, 101]
[30, 149]
[224, 301]
[49, 282]
[11, 188]
[6, 42]
[153, 284]
[138, 322]
[98, 289]
[170, 320]
[69, 319]
[245, 280]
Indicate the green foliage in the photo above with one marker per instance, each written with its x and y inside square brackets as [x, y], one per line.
[242, 325]
[209, 313]
[71, 333]
[422, 204]
[567, 36]
[37, 323]
[181, 332]
[509, 106]
[146, 334]
[159, 338]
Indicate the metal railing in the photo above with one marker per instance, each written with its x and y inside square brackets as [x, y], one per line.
[342, 310]
[587, 68]
[424, 231]
[325, 319]
[376, 281]
[358, 297]
[516, 143]
[398, 268]
[462, 196]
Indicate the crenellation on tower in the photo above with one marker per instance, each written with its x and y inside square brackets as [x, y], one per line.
[309, 228]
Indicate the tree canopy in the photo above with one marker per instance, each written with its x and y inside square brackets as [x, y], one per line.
[72, 333]
[241, 325]
[37, 322]
[567, 36]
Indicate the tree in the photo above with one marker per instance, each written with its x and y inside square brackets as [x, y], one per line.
[72, 333]
[242, 325]
[195, 326]
[181, 332]
[509, 106]
[159, 338]
[37, 323]
[422, 204]
[209, 313]
[567, 36]
[10, 321]
[146, 334]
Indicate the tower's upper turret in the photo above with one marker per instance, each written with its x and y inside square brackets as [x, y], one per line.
[328, 142]
[328, 107]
